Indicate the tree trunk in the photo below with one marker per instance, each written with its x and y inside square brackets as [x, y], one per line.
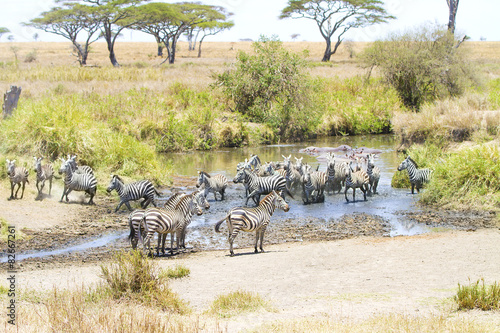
[112, 56]
[453, 6]
[10, 99]
[199, 47]
[111, 46]
[171, 56]
[160, 46]
[328, 50]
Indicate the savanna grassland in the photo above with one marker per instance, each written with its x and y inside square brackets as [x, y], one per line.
[122, 119]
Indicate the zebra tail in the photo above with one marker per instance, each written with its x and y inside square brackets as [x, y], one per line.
[132, 231]
[218, 224]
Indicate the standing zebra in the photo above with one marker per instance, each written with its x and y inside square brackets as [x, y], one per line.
[17, 175]
[373, 172]
[313, 185]
[417, 176]
[252, 219]
[261, 185]
[330, 172]
[214, 184]
[142, 189]
[43, 173]
[291, 174]
[165, 221]
[357, 179]
[77, 181]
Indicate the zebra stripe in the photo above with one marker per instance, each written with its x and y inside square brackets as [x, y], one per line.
[373, 172]
[252, 219]
[43, 173]
[77, 181]
[313, 185]
[214, 184]
[330, 172]
[17, 176]
[358, 179]
[261, 185]
[292, 176]
[165, 221]
[417, 176]
[142, 189]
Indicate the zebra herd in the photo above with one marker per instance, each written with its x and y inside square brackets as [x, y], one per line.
[275, 180]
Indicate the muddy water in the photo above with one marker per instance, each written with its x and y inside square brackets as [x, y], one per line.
[386, 204]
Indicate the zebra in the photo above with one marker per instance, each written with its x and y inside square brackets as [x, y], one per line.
[357, 179]
[214, 184]
[261, 185]
[417, 176]
[43, 173]
[166, 221]
[341, 172]
[254, 161]
[79, 168]
[330, 172]
[252, 219]
[17, 176]
[313, 185]
[373, 172]
[272, 169]
[291, 174]
[133, 191]
[77, 181]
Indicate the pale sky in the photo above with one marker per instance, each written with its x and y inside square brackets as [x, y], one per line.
[476, 18]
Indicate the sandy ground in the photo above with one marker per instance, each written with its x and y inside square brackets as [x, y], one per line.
[351, 278]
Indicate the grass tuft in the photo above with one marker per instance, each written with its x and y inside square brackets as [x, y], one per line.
[179, 271]
[478, 296]
[237, 302]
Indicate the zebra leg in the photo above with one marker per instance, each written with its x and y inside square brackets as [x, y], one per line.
[64, 192]
[231, 240]
[91, 193]
[222, 194]
[12, 190]
[257, 237]
[128, 206]
[50, 186]
[345, 193]
[412, 188]
[364, 192]
[18, 187]
[353, 194]
[22, 193]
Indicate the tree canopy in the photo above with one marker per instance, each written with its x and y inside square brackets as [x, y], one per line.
[336, 17]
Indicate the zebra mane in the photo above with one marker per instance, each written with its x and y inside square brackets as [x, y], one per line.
[205, 174]
[270, 194]
[256, 157]
[118, 177]
[184, 199]
[412, 161]
[173, 198]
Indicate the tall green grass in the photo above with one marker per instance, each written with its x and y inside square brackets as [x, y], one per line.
[478, 296]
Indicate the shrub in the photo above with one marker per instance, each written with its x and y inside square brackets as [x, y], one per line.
[30, 56]
[179, 271]
[235, 303]
[133, 277]
[478, 296]
[422, 65]
[271, 87]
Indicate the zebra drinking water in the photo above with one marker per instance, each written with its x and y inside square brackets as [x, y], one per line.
[373, 172]
[214, 184]
[17, 176]
[77, 181]
[418, 177]
[43, 173]
[142, 189]
[252, 219]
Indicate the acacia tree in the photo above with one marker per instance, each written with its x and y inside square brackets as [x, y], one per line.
[69, 22]
[452, 6]
[211, 28]
[167, 22]
[336, 17]
[113, 16]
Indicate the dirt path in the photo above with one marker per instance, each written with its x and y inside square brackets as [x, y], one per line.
[353, 278]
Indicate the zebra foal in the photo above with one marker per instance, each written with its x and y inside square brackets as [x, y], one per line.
[17, 176]
[43, 173]
[77, 181]
[142, 189]
[215, 184]
[252, 219]
[418, 177]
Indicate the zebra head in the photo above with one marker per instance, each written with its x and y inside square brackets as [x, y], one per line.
[65, 166]
[371, 160]
[201, 178]
[404, 164]
[38, 162]
[202, 200]
[240, 176]
[279, 202]
[11, 166]
[298, 164]
[330, 161]
[194, 207]
[114, 183]
[306, 173]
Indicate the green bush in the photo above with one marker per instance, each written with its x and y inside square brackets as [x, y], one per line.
[422, 65]
[271, 87]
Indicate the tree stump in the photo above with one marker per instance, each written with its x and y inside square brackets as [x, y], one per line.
[10, 99]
